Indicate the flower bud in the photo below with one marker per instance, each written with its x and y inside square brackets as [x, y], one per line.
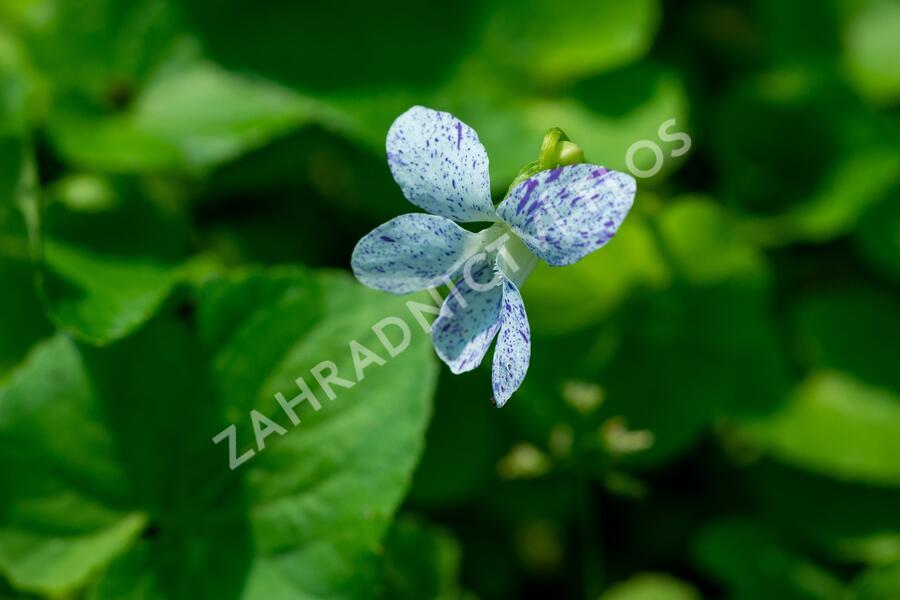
[569, 154]
[557, 150]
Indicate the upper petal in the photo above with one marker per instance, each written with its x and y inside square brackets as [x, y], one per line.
[566, 213]
[513, 351]
[411, 252]
[440, 165]
[469, 319]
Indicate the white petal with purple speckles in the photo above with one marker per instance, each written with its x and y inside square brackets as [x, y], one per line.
[462, 333]
[441, 166]
[411, 252]
[566, 213]
[513, 350]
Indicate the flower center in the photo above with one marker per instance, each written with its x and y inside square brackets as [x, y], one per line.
[515, 260]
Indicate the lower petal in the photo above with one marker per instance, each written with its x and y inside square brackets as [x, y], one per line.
[469, 319]
[513, 351]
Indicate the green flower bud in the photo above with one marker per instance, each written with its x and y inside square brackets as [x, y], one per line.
[568, 153]
[557, 150]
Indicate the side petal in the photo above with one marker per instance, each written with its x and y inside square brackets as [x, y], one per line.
[469, 319]
[513, 351]
[564, 214]
[441, 166]
[411, 252]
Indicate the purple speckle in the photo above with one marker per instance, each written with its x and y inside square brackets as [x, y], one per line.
[529, 187]
[554, 174]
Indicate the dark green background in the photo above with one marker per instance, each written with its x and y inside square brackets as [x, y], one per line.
[713, 404]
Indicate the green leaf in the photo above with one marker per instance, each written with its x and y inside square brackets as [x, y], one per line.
[880, 583]
[839, 427]
[414, 49]
[554, 46]
[106, 272]
[878, 236]
[651, 586]
[814, 46]
[60, 514]
[98, 50]
[303, 518]
[23, 96]
[213, 115]
[853, 185]
[101, 273]
[816, 186]
[856, 332]
[420, 561]
[53, 560]
[871, 39]
[110, 143]
[101, 298]
[755, 564]
[186, 117]
[130, 93]
[705, 244]
[847, 521]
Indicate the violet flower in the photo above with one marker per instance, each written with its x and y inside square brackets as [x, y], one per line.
[558, 215]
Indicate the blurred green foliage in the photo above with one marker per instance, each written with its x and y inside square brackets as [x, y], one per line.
[713, 403]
